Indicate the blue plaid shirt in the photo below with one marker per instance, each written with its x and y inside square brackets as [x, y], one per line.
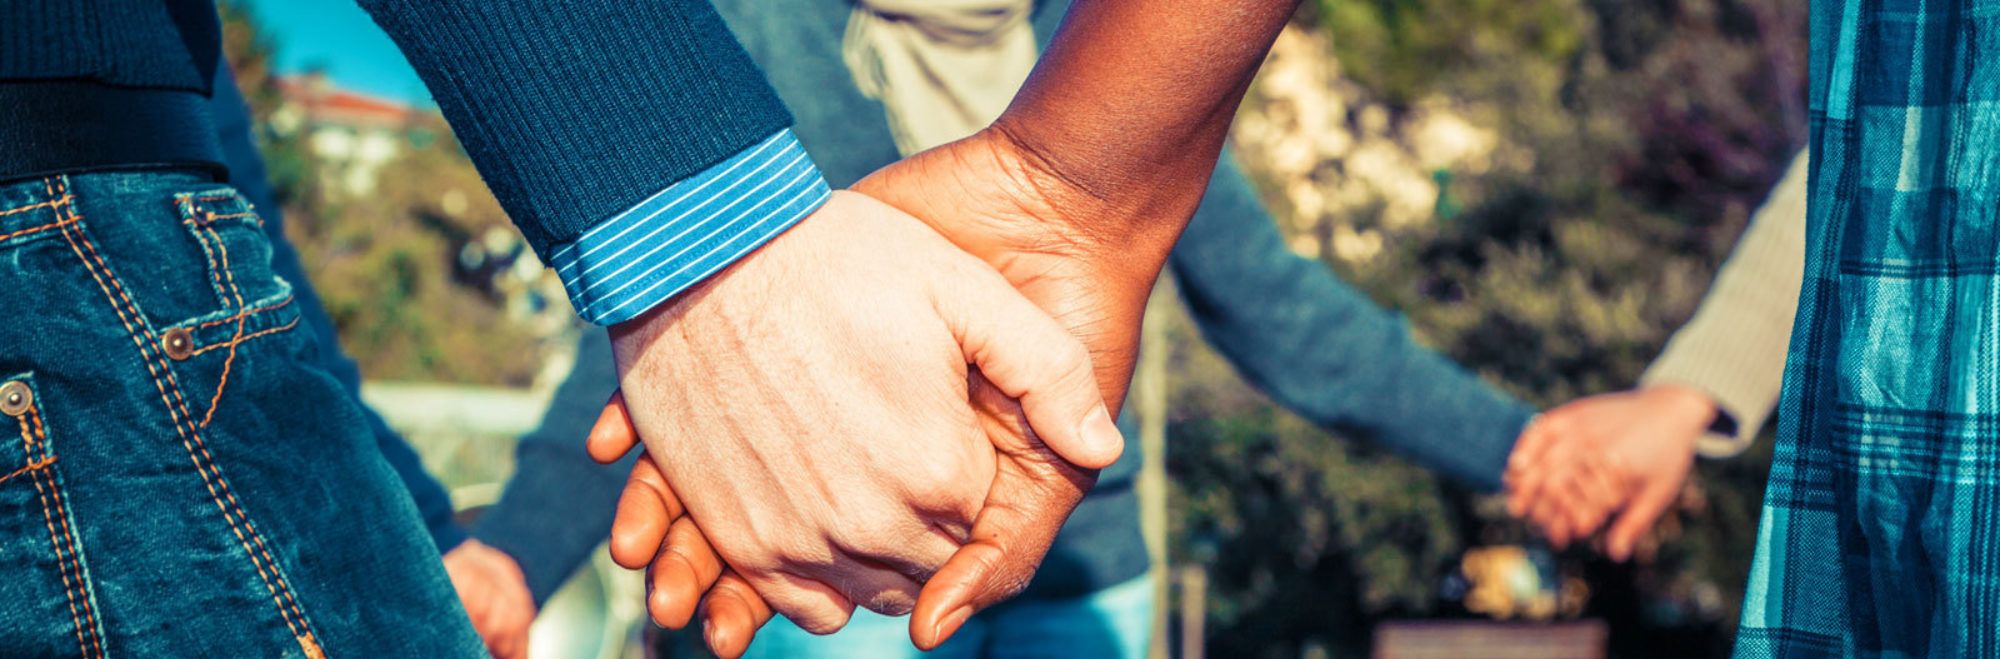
[1880, 534]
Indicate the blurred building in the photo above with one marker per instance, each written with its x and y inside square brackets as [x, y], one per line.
[354, 135]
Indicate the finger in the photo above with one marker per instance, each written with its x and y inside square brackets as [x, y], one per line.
[1547, 514]
[613, 435]
[514, 645]
[1024, 510]
[1578, 504]
[1526, 470]
[885, 587]
[1560, 454]
[732, 615]
[686, 567]
[646, 510]
[812, 605]
[1030, 357]
[1639, 516]
[1598, 494]
[1528, 448]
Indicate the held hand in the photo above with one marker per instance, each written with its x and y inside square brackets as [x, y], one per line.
[682, 570]
[495, 595]
[1627, 452]
[814, 397]
[992, 199]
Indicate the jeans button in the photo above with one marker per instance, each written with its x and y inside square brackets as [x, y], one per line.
[16, 398]
[178, 342]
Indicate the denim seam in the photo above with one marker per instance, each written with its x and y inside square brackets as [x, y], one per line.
[212, 217]
[243, 313]
[233, 342]
[30, 230]
[86, 636]
[75, 548]
[32, 465]
[214, 273]
[177, 410]
[254, 310]
[43, 204]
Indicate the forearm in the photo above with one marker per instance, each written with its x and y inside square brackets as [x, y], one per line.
[1326, 351]
[1132, 101]
[1733, 349]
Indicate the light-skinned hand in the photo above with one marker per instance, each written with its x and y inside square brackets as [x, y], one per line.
[991, 200]
[814, 400]
[1626, 453]
[495, 595]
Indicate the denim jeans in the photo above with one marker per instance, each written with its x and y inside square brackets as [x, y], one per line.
[186, 481]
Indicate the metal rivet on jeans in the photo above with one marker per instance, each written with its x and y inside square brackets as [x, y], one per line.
[178, 342]
[16, 398]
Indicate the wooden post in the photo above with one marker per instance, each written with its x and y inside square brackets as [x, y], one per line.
[1194, 610]
[1149, 402]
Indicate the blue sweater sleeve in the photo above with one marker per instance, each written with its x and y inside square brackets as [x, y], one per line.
[577, 112]
[1326, 351]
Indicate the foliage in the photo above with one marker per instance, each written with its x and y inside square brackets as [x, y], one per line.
[386, 262]
[1636, 139]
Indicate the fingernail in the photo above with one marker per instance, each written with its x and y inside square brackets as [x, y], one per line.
[950, 624]
[1101, 433]
[708, 634]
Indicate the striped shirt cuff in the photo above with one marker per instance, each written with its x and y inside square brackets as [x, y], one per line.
[678, 237]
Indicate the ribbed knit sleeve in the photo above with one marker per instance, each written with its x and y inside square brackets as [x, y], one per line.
[575, 111]
[1734, 347]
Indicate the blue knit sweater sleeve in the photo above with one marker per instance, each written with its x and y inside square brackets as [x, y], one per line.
[578, 111]
[1328, 352]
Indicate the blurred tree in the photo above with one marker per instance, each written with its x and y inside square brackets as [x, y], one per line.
[1634, 139]
[387, 263]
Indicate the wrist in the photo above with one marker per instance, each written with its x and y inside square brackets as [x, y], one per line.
[1087, 214]
[1685, 402]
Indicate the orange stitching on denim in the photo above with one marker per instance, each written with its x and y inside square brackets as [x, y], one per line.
[30, 230]
[214, 272]
[210, 476]
[48, 517]
[31, 466]
[247, 337]
[234, 341]
[259, 221]
[24, 209]
[208, 480]
[75, 548]
[231, 319]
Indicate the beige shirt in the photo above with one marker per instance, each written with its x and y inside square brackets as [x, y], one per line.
[1734, 347]
[943, 69]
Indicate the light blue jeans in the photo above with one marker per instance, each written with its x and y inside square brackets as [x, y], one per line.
[1113, 623]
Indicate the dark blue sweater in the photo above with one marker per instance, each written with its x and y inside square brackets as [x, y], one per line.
[573, 111]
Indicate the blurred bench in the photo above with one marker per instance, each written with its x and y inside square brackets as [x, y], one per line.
[1485, 639]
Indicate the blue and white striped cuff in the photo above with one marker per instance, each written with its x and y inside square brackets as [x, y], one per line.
[678, 237]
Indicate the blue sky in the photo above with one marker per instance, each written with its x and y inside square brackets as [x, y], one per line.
[337, 35]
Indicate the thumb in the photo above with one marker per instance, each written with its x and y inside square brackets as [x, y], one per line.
[1033, 492]
[1028, 356]
[613, 435]
[1640, 515]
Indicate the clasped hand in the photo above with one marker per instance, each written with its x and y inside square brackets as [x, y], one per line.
[863, 412]
[855, 407]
